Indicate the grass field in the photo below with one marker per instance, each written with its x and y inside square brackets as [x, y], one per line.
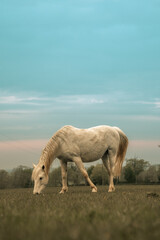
[128, 213]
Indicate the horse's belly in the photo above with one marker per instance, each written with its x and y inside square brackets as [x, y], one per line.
[87, 159]
[92, 148]
[92, 155]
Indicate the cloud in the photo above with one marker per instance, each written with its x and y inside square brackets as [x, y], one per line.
[18, 100]
[80, 99]
[145, 144]
[142, 117]
[15, 114]
[17, 111]
[25, 152]
[26, 145]
[66, 99]
[155, 103]
[40, 144]
[16, 106]
[146, 149]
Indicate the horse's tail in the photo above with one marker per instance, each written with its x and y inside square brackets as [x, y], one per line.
[123, 144]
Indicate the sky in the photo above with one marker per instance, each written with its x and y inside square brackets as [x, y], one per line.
[82, 63]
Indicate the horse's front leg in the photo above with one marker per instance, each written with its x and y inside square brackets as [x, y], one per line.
[64, 177]
[80, 165]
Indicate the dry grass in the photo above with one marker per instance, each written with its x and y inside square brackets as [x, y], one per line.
[129, 213]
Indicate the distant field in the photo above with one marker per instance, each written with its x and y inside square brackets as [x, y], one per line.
[128, 213]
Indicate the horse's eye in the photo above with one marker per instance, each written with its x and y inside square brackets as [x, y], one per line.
[40, 178]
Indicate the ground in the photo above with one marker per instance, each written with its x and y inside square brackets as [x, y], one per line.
[131, 212]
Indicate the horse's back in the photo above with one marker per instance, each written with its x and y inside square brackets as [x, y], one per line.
[90, 144]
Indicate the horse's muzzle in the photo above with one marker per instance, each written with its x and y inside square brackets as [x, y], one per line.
[36, 193]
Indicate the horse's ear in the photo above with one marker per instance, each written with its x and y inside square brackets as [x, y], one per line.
[43, 167]
[34, 165]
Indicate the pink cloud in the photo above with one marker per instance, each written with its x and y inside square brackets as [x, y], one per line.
[144, 143]
[37, 144]
[25, 152]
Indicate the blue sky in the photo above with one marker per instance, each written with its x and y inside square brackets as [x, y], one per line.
[82, 63]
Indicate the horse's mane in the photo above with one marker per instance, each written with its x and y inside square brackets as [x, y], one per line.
[50, 150]
[48, 153]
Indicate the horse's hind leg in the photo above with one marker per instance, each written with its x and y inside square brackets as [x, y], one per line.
[80, 165]
[109, 161]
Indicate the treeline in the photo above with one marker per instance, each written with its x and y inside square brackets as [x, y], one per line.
[140, 171]
[135, 171]
[19, 177]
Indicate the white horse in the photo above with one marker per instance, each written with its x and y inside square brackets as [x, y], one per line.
[82, 145]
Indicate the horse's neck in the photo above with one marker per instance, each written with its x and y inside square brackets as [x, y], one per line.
[49, 154]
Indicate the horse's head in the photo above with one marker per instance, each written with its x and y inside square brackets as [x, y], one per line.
[40, 178]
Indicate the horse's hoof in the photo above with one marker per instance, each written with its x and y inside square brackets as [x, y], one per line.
[94, 190]
[61, 192]
[111, 190]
